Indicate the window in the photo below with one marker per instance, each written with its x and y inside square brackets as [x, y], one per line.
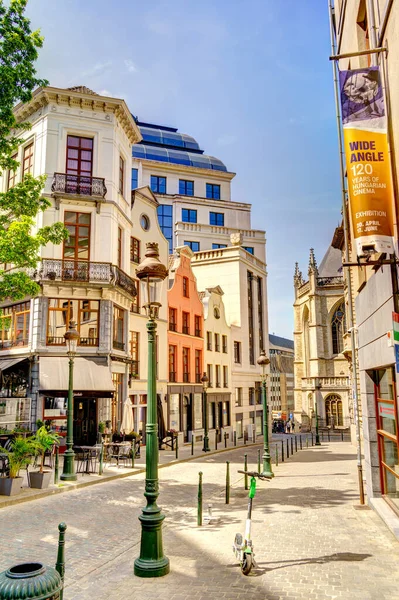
[251, 396]
[135, 179]
[185, 287]
[12, 175]
[119, 327]
[119, 258]
[217, 246]
[188, 215]
[172, 319]
[225, 377]
[14, 325]
[121, 175]
[198, 366]
[134, 354]
[208, 340]
[209, 373]
[195, 246]
[186, 188]
[144, 222]
[224, 344]
[79, 165]
[158, 184]
[77, 246]
[117, 404]
[237, 352]
[165, 216]
[334, 414]
[238, 396]
[217, 342]
[186, 322]
[250, 319]
[217, 371]
[338, 327]
[172, 363]
[260, 314]
[27, 161]
[216, 312]
[186, 365]
[197, 325]
[213, 191]
[86, 314]
[249, 249]
[216, 219]
[134, 250]
[135, 305]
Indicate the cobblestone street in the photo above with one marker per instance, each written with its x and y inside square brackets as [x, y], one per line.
[310, 542]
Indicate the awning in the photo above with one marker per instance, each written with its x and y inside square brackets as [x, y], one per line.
[6, 363]
[87, 375]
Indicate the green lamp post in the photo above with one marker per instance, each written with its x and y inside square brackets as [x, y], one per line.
[71, 338]
[317, 442]
[263, 362]
[205, 381]
[151, 562]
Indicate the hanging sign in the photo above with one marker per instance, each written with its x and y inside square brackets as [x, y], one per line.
[367, 159]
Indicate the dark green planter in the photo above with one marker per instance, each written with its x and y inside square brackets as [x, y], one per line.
[10, 487]
[40, 480]
[32, 581]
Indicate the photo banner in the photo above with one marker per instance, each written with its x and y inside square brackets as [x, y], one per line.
[367, 159]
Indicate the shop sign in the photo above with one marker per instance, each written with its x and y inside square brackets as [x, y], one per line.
[386, 411]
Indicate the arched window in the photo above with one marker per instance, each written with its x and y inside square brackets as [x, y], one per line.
[334, 416]
[338, 327]
[306, 345]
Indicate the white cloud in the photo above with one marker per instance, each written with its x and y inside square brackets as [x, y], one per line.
[97, 69]
[130, 66]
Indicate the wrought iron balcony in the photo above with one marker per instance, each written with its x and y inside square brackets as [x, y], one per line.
[78, 185]
[186, 377]
[51, 269]
[118, 345]
[134, 369]
[60, 341]
[198, 378]
[172, 376]
[172, 327]
[5, 344]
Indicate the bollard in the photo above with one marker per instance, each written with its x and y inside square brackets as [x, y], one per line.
[288, 448]
[282, 451]
[60, 564]
[259, 461]
[307, 442]
[199, 507]
[328, 434]
[276, 456]
[235, 438]
[227, 482]
[300, 442]
[216, 439]
[245, 439]
[192, 444]
[245, 469]
[342, 436]
[225, 439]
[292, 446]
[101, 466]
[296, 445]
[177, 447]
[132, 451]
[56, 466]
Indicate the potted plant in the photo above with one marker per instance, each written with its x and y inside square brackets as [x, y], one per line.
[19, 457]
[43, 442]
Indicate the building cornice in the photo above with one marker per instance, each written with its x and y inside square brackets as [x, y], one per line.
[81, 100]
[177, 168]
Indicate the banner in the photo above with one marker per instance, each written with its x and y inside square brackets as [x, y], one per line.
[367, 160]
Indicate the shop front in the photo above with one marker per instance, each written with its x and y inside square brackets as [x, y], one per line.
[219, 414]
[185, 410]
[93, 391]
[15, 401]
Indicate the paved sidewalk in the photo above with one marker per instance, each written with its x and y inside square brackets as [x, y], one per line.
[309, 541]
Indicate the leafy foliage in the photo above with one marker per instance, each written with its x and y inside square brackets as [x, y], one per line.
[20, 456]
[43, 442]
[20, 205]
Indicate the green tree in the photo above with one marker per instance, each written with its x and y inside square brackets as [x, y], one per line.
[20, 205]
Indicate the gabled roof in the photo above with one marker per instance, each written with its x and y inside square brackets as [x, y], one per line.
[276, 340]
[331, 265]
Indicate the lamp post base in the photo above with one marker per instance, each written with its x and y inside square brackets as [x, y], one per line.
[267, 467]
[205, 447]
[68, 471]
[317, 442]
[151, 562]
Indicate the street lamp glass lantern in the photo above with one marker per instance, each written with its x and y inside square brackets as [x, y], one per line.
[71, 338]
[205, 381]
[263, 362]
[151, 273]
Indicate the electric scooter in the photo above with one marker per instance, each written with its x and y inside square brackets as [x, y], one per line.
[244, 551]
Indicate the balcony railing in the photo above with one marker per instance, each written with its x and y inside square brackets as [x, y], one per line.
[172, 326]
[135, 308]
[323, 281]
[78, 185]
[198, 333]
[198, 378]
[118, 345]
[134, 369]
[51, 269]
[5, 344]
[186, 377]
[60, 341]
[172, 376]
[186, 329]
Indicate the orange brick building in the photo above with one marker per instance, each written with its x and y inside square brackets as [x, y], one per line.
[185, 347]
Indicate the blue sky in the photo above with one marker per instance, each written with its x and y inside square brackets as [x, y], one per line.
[249, 79]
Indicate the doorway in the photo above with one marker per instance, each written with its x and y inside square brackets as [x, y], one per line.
[84, 421]
[187, 416]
